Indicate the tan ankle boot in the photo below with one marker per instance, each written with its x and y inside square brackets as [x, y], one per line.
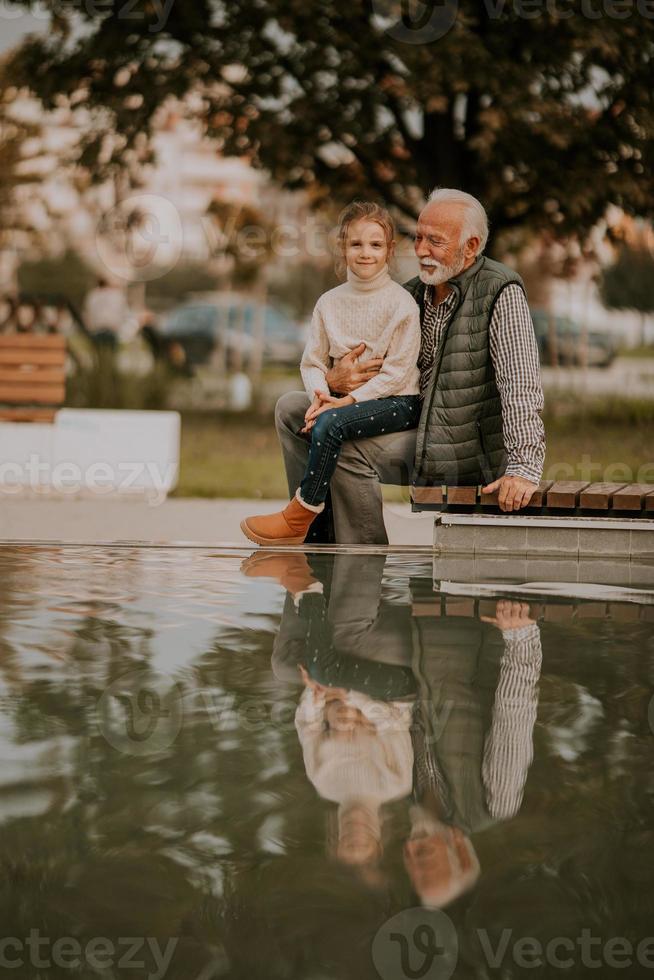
[289, 526]
[291, 568]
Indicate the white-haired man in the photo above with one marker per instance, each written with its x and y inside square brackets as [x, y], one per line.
[479, 376]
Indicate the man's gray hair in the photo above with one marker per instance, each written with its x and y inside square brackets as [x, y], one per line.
[475, 222]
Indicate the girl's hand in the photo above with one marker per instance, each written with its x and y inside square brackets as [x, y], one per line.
[330, 401]
[322, 403]
[310, 414]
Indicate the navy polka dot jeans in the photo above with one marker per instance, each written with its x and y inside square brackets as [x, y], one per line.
[359, 421]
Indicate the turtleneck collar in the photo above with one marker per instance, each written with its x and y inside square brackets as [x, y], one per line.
[378, 281]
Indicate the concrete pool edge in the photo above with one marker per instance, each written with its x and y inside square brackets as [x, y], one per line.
[538, 536]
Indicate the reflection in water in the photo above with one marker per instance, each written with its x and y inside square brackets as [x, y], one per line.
[158, 779]
[462, 749]
[355, 715]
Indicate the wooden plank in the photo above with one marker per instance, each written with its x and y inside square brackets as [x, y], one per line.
[591, 610]
[487, 607]
[564, 494]
[558, 612]
[427, 495]
[459, 606]
[462, 496]
[426, 608]
[33, 341]
[14, 355]
[23, 394]
[538, 499]
[624, 612]
[540, 495]
[599, 496]
[27, 414]
[32, 375]
[649, 502]
[632, 496]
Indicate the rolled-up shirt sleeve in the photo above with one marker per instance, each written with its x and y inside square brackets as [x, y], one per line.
[514, 353]
[509, 748]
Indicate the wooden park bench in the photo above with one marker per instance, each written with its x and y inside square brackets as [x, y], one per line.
[555, 499]
[553, 611]
[33, 389]
[32, 376]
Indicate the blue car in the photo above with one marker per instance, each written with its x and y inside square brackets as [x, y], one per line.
[560, 342]
[228, 331]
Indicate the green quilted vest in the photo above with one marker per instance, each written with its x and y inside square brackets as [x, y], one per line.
[460, 441]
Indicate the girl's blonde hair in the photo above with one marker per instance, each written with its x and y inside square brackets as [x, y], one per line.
[355, 211]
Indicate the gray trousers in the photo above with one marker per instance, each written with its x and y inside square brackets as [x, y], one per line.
[353, 511]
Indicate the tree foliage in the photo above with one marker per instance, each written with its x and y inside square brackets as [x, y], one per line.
[48, 274]
[544, 114]
[628, 284]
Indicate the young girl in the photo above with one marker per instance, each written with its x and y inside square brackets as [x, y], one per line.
[357, 753]
[371, 309]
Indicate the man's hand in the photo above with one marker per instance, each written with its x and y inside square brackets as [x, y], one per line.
[348, 374]
[509, 615]
[321, 403]
[515, 491]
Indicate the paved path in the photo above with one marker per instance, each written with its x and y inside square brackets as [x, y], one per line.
[176, 520]
[628, 377]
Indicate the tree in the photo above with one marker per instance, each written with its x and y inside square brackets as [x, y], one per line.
[67, 273]
[628, 284]
[546, 114]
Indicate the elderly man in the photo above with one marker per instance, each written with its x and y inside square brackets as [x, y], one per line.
[479, 376]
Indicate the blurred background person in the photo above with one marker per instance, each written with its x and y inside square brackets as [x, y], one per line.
[108, 316]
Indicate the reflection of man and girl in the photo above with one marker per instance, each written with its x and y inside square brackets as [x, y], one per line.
[435, 710]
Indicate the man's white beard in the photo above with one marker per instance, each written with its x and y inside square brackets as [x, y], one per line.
[441, 273]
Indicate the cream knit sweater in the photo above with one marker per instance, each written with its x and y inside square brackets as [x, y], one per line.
[378, 312]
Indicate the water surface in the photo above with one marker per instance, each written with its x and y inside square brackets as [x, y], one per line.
[318, 767]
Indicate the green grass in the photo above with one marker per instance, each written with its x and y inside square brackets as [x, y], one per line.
[601, 439]
[227, 455]
[638, 352]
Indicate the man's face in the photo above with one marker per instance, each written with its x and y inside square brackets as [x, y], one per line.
[438, 243]
[441, 865]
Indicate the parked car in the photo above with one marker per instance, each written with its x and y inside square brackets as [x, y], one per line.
[223, 329]
[560, 341]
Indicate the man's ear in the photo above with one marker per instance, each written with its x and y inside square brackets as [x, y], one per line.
[471, 247]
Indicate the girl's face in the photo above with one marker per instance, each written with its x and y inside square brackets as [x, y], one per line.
[366, 248]
[359, 838]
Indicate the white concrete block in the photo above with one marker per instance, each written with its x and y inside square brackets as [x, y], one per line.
[26, 454]
[94, 452]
